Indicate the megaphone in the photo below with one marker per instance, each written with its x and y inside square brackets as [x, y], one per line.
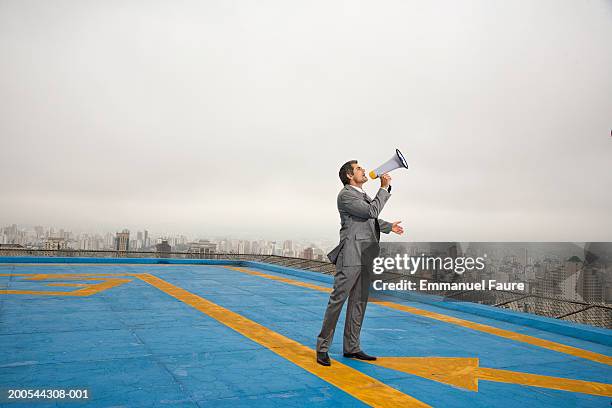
[395, 162]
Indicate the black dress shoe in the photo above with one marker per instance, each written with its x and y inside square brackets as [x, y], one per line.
[360, 355]
[323, 358]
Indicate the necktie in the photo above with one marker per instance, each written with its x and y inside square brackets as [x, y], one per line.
[376, 224]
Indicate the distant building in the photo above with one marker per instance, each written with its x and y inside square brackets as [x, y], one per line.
[139, 240]
[597, 263]
[39, 231]
[122, 241]
[288, 248]
[55, 244]
[308, 253]
[11, 246]
[6, 249]
[163, 248]
[569, 281]
[203, 247]
[109, 241]
[591, 286]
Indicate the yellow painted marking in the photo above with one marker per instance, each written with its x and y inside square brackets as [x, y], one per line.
[86, 290]
[65, 275]
[281, 279]
[555, 383]
[465, 373]
[361, 386]
[16, 274]
[38, 276]
[524, 338]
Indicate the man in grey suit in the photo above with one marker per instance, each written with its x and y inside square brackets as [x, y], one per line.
[359, 233]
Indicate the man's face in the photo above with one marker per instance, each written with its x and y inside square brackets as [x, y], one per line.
[359, 175]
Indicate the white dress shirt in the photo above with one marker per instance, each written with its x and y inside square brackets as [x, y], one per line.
[358, 189]
[361, 190]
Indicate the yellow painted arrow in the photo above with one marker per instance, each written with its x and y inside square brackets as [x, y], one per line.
[465, 373]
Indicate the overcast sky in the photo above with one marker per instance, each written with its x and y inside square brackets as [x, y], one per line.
[232, 118]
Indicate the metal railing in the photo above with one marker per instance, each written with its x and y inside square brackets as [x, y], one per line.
[594, 314]
[301, 263]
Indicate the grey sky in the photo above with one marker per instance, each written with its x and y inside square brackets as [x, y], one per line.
[233, 118]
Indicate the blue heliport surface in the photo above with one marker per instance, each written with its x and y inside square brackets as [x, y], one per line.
[131, 344]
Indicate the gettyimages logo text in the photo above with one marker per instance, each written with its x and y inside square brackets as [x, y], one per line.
[412, 264]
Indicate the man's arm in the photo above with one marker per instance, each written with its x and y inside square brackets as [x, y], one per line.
[385, 226]
[354, 204]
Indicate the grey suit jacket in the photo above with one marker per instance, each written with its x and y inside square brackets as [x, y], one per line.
[359, 224]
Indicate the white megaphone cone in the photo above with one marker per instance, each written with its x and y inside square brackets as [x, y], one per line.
[395, 162]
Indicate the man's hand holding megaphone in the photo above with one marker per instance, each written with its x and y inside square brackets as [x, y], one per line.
[385, 181]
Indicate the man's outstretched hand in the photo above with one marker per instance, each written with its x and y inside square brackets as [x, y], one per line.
[397, 228]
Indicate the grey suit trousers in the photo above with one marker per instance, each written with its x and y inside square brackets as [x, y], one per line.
[352, 282]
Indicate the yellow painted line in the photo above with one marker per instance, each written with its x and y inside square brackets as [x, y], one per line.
[35, 292]
[542, 381]
[17, 274]
[524, 338]
[99, 287]
[66, 275]
[354, 382]
[76, 276]
[281, 279]
[86, 290]
[466, 372]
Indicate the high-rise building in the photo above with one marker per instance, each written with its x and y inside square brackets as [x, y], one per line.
[40, 231]
[569, 281]
[122, 241]
[163, 248]
[84, 242]
[308, 253]
[109, 241]
[139, 243]
[288, 249]
[65, 234]
[591, 285]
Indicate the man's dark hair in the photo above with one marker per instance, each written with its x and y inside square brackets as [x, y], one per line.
[346, 168]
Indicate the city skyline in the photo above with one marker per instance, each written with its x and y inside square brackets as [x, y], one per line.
[35, 237]
[173, 237]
